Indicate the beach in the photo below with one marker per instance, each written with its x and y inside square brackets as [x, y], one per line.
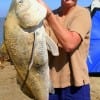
[10, 90]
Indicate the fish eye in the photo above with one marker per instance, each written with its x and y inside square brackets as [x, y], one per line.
[20, 1]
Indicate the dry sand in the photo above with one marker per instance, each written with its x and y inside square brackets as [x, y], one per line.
[9, 89]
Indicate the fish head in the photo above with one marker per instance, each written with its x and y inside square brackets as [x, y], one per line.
[29, 12]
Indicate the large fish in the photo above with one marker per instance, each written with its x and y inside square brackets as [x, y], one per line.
[27, 43]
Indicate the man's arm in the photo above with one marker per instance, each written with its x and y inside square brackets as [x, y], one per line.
[69, 40]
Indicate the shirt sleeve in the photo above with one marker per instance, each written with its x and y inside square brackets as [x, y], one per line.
[81, 23]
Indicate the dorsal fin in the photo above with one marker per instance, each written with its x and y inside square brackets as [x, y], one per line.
[51, 45]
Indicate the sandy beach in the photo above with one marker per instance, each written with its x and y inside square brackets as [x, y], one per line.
[9, 89]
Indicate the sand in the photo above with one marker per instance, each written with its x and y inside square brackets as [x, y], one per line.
[9, 89]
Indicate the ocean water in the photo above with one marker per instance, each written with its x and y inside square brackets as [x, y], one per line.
[1, 29]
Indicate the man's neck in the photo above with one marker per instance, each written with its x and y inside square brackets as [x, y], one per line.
[65, 10]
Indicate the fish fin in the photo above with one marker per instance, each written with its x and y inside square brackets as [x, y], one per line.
[51, 89]
[52, 46]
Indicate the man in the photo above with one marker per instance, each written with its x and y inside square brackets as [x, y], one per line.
[69, 27]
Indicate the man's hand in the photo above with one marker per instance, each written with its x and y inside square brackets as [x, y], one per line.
[42, 3]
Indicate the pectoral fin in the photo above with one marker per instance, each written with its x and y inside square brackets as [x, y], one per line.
[51, 89]
[52, 46]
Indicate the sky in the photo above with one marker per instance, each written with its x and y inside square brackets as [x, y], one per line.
[5, 4]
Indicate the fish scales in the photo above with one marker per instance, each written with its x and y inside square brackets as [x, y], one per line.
[19, 39]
